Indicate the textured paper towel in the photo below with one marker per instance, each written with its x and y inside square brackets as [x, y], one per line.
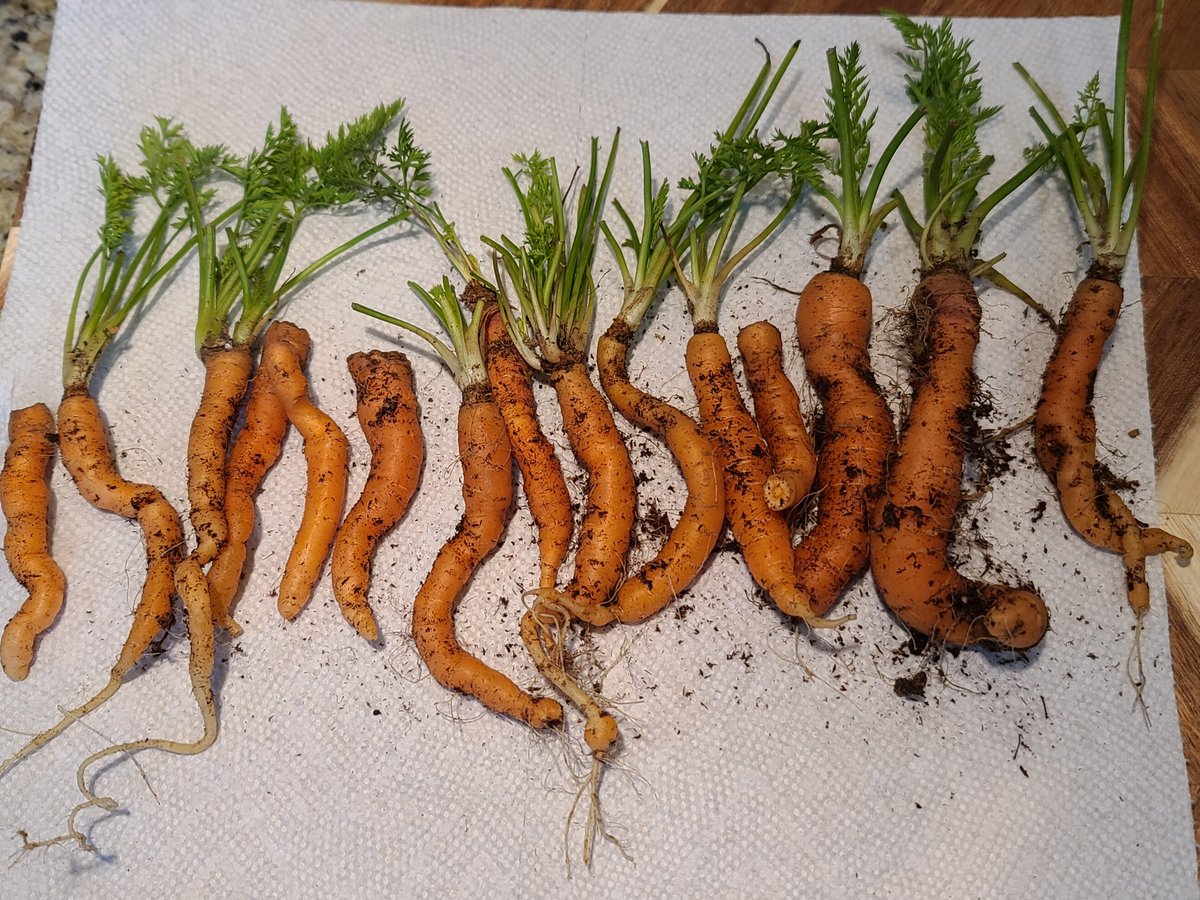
[340, 769]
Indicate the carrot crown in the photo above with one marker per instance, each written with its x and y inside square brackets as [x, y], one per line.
[849, 124]
[944, 84]
[550, 273]
[282, 182]
[1102, 197]
[127, 269]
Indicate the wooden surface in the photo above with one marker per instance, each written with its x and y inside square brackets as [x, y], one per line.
[1170, 260]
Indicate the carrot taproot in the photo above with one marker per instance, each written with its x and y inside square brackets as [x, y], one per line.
[545, 488]
[255, 450]
[327, 454]
[387, 412]
[25, 500]
[913, 524]
[833, 327]
[777, 414]
[486, 459]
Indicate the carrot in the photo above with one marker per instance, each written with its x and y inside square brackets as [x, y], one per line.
[913, 522]
[387, 412]
[486, 459]
[25, 499]
[255, 450]
[511, 379]
[833, 329]
[777, 413]
[327, 453]
[1065, 421]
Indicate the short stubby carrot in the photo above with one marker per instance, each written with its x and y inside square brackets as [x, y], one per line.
[762, 533]
[913, 524]
[256, 448]
[327, 453]
[694, 536]
[545, 488]
[833, 327]
[387, 413]
[25, 499]
[1065, 436]
[777, 413]
[487, 494]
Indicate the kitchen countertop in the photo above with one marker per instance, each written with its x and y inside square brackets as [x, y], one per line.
[1170, 257]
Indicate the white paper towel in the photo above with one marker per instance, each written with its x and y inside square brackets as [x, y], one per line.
[341, 769]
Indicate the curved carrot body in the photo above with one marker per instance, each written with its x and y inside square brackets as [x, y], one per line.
[25, 499]
[327, 453]
[545, 488]
[761, 532]
[694, 536]
[387, 412]
[487, 494]
[777, 412]
[833, 326]
[607, 527]
[226, 375]
[914, 520]
[1065, 437]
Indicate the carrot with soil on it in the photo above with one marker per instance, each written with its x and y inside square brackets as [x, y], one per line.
[387, 413]
[1065, 421]
[735, 167]
[551, 278]
[833, 329]
[123, 273]
[777, 412]
[25, 499]
[486, 460]
[913, 523]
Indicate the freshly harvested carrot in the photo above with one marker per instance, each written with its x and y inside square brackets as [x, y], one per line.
[1065, 421]
[255, 450]
[545, 488]
[387, 412]
[833, 324]
[833, 329]
[913, 522]
[777, 413]
[327, 453]
[487, 464]
[25, 499]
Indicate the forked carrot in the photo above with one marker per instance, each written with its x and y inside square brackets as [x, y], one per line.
[25, 499]
[387, 413]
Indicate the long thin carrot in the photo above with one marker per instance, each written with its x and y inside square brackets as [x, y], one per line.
[387, 412]
[327, 453]
[777, 413]
[25, 499]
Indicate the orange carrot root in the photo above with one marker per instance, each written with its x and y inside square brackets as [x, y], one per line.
[387, 412]
[487, 494]
[761, 532]
[545, 488]
[833, 326]
[694, 536]
[914, 521]
[1065, 438]
[25, 499]
[777, 412]
[327, 453]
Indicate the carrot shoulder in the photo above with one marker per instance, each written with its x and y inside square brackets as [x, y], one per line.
[25, 498]
[913, 524]
[387, 413]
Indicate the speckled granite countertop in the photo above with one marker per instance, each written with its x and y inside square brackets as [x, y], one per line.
[25, 28]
